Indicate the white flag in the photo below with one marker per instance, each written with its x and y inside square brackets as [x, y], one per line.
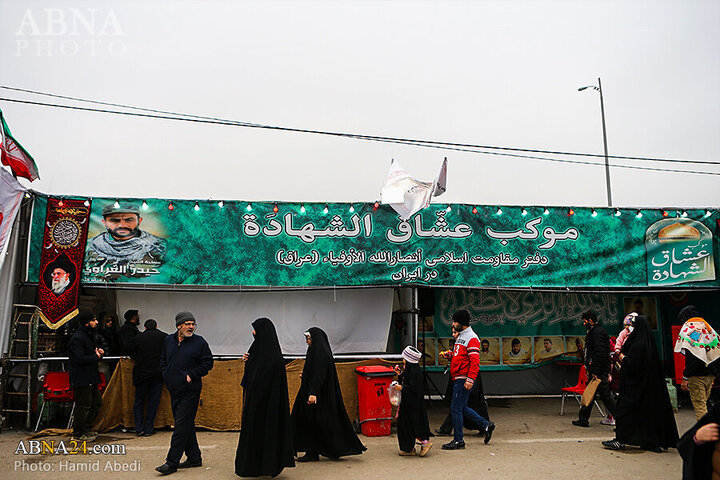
[407, 195]
[11, 193]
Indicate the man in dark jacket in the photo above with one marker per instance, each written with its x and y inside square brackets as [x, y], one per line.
[83, 356]
[184, 360]
[128, 332]
[147, 376]
[597, 363]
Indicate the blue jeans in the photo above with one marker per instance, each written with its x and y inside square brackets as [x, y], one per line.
[459, 409]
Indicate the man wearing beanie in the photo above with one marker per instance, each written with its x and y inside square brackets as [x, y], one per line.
[83, 355]
[184, 360]
[464, 369]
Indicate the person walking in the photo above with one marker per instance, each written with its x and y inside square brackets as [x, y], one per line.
[184, 359]
[321, 425]
[698, 342]
[265, 446]
[644, 416]
[412, 420]
[83, 357]
[464, 369]
[147, 376]
[597, 363]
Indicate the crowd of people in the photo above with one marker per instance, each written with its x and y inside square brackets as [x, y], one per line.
[272, 436]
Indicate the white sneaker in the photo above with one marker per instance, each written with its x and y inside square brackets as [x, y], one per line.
[609, 420]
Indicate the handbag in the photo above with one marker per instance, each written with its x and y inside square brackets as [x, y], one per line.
[589, 394]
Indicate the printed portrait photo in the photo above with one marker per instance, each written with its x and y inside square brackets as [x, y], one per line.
[489, 351]
[646, 306]
[575, 346]
[547, 348]
[516, 350]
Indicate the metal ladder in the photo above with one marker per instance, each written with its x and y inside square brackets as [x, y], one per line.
[23, 346]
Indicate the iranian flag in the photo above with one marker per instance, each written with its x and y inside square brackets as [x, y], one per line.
[15, 156]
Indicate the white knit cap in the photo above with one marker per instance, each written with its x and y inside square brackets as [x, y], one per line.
[411, 354]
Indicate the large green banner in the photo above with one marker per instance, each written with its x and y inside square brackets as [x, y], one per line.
[525, 329]
[185, 242]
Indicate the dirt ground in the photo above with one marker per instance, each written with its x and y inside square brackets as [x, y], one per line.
[531, 441]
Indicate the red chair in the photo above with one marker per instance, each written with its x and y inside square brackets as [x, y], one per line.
[56, 388]
[577, 391]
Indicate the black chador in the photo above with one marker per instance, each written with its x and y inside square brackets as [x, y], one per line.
[644, 416]
[412, 420]
[265, 446]
[320, 422]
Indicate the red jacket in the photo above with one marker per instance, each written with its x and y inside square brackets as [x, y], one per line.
[465, 363]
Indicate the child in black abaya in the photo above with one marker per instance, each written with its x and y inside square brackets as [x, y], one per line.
[265, 446]
[412, 421]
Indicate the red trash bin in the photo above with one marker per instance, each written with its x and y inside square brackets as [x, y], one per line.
[373, 400]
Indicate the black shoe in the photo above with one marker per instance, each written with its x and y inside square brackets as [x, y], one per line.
[489, 432]
[613, 445]
[166, 469]
[309, 457]
[454, 445]
[442, 433]
[148, 434]
[580, 423]
[140, 434]
[190, 463]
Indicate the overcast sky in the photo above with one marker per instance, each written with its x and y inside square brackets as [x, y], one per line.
[502, 73]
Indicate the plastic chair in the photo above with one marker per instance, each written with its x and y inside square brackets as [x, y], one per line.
[56, 388]
[577, 391]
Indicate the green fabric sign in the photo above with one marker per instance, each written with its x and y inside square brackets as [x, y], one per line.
[290, 244]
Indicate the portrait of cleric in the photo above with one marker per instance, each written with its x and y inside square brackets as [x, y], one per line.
[59, 275]
[123, 249]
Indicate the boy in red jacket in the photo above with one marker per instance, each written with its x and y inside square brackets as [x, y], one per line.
[464, 368]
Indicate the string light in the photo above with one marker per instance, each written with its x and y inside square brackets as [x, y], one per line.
[86, 203]
[221, 204]
[352, 209]
[249, 207]
[708, 213]
[546, 212]
[171, 206]
[617, 212]
[116, 204]
[302, 208]
[665, 213]
[594, 213]
[275, 208]
[448, 209]
[684, 214]
[524, 212]
[325, 210]
[639, 214]
[499, 211]
[144, 205]
[61, 203]
[197, 207]
[474, 210]
[571, 212]
[376, 205]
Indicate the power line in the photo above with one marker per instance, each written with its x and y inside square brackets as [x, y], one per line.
[415, 143]
[360, 136]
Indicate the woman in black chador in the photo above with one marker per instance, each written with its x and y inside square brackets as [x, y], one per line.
[265, 446]
[643, 416]
[320, 423]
